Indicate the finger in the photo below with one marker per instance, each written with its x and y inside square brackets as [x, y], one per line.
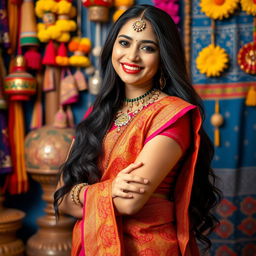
[132, 167]
[122, 194]
[134, 178]
[131, 188]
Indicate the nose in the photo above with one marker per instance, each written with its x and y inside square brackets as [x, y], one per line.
[133, 54]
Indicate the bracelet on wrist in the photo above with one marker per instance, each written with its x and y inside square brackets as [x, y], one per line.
[75, 192]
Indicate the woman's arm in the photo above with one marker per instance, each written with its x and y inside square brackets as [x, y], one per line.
[158, 156]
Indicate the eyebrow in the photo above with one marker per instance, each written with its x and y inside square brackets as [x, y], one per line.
[142, 41]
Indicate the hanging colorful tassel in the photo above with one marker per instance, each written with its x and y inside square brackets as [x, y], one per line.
[33, 59]
[17, 182]
[37, 114]
[217, 120]
[62, 56]
[50, 54]
[251, 96]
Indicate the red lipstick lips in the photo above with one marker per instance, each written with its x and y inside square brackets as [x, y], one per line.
[131, 68]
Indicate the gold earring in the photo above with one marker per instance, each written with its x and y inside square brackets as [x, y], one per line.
[162, 80]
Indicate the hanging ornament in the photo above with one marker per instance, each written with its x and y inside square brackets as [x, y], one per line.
[95, 82]
[121, 7]
[212, 60]
[19, 84]
[28, 35]
[81, 47]
[68, 90]
[98, 10]
[218, 9]
[64, 24]
[46, 10]
[62, 58]
[217, 120]
[249, 6]
[246, 59]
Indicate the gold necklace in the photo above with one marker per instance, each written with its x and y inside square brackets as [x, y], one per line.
[123, 119]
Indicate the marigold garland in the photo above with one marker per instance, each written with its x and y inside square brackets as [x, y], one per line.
[218, 9]
[249, 6]
[212, 60]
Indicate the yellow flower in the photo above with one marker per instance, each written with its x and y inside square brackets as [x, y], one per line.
[249, 6]
[212, 60]
[219, 9]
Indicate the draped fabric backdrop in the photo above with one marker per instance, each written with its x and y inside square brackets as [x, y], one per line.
[235, 160]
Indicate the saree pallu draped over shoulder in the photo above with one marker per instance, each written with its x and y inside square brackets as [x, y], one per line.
[161, 227]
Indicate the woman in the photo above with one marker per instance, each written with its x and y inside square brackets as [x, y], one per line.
[138, 175]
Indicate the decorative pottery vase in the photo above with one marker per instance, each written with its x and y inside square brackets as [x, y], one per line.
[45, 150]
[19, 85]
[10, 222]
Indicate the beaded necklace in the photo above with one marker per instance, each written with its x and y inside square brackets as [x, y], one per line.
[122, 119]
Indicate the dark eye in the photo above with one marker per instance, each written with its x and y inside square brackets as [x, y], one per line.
[124, 43]
[148, 48]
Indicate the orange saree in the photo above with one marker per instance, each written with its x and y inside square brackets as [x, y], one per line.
[161, 227]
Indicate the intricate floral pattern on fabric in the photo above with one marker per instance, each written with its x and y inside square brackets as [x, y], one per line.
[5, 157]
[144, 233]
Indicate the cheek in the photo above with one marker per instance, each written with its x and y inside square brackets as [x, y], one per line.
[115, 54]
[154, 64]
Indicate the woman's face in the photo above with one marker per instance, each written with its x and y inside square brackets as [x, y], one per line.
[135, 55]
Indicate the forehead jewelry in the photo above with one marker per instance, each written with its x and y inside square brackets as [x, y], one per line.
[139, 25]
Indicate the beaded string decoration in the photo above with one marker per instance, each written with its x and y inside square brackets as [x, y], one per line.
[122, 119]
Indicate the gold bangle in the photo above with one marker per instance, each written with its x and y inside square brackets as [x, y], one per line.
[75, 191]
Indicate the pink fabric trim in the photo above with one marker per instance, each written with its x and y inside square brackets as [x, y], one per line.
[170, 122]
[82, 252]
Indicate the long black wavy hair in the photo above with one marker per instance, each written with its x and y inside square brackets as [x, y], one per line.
[81, 165]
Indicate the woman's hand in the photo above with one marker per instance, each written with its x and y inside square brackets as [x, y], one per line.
[121, 186]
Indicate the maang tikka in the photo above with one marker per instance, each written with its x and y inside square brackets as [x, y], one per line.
[140, 24]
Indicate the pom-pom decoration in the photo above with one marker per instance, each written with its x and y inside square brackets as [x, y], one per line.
[45, 6]
[121, 7]
[212, 60]
[249, 6]
[80, 47]
[218, 9]
[52, 29]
